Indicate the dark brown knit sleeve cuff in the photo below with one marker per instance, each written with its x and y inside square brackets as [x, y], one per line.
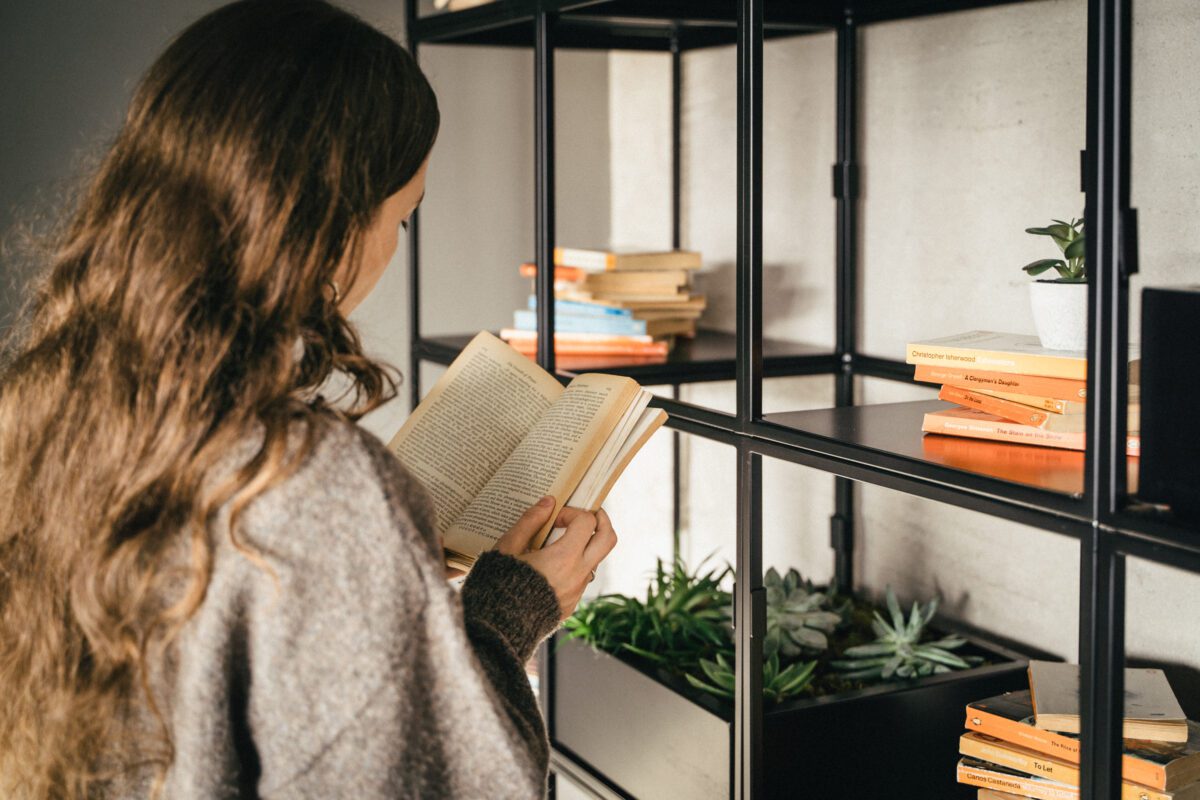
[513, 598]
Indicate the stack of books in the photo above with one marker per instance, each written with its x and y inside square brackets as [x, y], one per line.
[1026, 744]
[629, 305]
[1008, 388]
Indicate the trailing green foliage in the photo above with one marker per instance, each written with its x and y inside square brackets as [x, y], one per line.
[798, 616]
[1069, 237]
[898, 650]
[778, 684]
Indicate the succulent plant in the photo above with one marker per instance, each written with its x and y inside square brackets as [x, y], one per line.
[778, 684]
[683, 618]
[798, 616]
[1069, 237]
[898, 651]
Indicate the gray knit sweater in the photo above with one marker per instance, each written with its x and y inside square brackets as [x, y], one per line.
[361, 674]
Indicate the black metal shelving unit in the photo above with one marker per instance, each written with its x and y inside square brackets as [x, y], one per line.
[878, 444]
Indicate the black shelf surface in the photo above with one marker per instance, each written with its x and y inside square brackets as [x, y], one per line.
[652, 24]
[707, 357]
[883, 444]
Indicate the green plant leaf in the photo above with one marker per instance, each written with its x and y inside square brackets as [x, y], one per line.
[1076, 248]
[1042, 264]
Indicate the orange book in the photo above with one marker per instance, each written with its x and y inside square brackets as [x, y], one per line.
[1060, 388]
[569, 274]
[1159, 765]
[975, 424]
[1016, 412]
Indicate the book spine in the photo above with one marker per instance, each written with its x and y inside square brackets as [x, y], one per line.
[1062, 747]
[578, 308]
[1001, 431]
[561, 274]
[525, 320]
[1022, 384]
[1023, 415]
[1018, 760]
[935, 355]
[1011, 783]
[1051, 404]
[589, 260]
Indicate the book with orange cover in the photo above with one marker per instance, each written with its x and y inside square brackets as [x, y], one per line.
[569, 274]
[1017, 412]
[1159, 765]
[1051, 404]
[1059, 388]
[989, 775]
[974, 424]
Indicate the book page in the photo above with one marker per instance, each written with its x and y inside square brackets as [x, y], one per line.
[550, 460]
[477, 413]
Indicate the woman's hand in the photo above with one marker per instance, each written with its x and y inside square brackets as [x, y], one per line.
[568, 563]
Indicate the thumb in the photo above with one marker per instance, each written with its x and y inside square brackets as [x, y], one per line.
[520, 536]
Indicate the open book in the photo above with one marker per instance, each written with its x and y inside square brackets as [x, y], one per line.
[497, 433]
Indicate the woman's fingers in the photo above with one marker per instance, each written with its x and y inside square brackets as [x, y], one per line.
[579, 531]
[601, 543]
[520, 536]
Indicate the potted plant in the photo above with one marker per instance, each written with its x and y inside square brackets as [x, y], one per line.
[649, 702]
[1060, 304]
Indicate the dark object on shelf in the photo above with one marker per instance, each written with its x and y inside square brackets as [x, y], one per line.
[891, 740]
[1170, 468]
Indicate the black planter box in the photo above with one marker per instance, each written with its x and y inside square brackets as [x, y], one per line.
[646, 735]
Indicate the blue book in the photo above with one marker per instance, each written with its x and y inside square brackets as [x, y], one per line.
[525, 320]
[577, 308]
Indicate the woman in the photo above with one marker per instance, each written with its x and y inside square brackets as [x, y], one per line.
[213, 583]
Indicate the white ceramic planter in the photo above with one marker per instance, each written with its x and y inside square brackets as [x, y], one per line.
[1060, 314]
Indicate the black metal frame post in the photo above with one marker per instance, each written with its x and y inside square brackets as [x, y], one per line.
[750, 619]
[543, 133]
[1102, 589]
[414, 249]
[1101, 656]
[845, 190]
[750, 597]
[676, 243]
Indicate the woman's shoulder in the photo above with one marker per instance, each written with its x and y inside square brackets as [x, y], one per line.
[341, 487]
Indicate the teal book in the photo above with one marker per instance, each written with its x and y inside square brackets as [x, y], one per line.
[579, 308]
[524, 320]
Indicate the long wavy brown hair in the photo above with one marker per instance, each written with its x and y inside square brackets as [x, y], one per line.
[166, 327]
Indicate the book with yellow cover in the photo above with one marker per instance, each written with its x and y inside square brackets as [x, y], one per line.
[988, 775]
[1014, 353]
[1159, 765]
[497, 432]
[1006, 754]
[1051, 404]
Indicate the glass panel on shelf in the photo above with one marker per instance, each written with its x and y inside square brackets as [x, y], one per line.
[1164, 176]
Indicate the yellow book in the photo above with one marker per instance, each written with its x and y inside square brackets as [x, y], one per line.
[1014, 353]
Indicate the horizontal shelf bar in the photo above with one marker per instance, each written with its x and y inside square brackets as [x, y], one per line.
[708, 357]
[650, 24]
[878, 442]
[886, 368]
[1144, 533]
